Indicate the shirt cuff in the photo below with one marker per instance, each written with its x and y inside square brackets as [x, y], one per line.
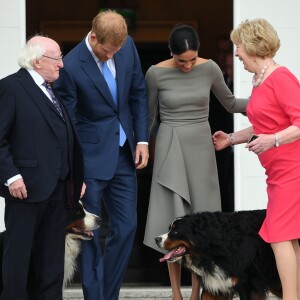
[12, 179]
[142, 143]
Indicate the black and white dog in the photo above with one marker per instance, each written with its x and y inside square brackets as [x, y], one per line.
[80, 224]
[227, 253]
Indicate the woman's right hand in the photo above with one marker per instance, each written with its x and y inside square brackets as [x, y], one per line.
[221, 140]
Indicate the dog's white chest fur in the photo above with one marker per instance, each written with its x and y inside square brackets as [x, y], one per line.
[72, 249]
[216, 282]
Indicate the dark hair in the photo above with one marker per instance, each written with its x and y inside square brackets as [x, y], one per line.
[182, 38]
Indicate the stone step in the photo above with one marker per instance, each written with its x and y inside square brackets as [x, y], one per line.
[128, 293]
[134, 293]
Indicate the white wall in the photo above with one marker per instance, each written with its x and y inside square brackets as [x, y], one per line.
[13, 34]
[13, 37]
[250, 186]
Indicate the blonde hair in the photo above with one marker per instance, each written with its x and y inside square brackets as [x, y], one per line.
[110, 26]
[258, 37]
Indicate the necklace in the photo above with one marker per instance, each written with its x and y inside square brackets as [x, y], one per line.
[261, 76]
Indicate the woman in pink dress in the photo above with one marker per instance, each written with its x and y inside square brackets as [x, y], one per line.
[274, 112]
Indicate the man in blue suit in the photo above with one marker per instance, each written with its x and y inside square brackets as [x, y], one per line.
[104, 90]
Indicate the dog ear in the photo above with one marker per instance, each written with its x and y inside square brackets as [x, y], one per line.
[70, 194]
[75, 213]
[73, 190]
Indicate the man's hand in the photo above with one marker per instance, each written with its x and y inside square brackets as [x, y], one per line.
[18, 189]
[141, 156]
[83, 188]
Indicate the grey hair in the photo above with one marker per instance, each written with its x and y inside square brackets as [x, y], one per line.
[29, 53]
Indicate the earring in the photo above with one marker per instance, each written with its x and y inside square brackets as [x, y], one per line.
[171, 53]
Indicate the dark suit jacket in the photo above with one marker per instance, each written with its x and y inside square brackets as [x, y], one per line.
[86, 95]
[29, 142]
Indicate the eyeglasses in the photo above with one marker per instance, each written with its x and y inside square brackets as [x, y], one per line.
[54, 58]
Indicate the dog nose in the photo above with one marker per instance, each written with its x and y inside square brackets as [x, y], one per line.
[157, 239]
[99, 221]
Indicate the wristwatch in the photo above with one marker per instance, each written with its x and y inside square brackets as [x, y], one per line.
[276, 144]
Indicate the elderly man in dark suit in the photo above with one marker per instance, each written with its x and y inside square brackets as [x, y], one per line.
[40, 160]
[104, 89]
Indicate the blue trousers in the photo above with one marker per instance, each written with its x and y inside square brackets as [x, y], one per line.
[102, 272]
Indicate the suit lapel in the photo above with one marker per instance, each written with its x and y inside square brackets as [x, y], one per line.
[52, 107]
[92, 70]
[35, 94]
[120, 74]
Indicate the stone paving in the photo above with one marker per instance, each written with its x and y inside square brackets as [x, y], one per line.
[132, 293]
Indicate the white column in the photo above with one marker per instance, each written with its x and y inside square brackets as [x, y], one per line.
[250, 186]
[13, 37]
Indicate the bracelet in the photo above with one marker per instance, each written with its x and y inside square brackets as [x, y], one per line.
[276, 144]
[231, 139]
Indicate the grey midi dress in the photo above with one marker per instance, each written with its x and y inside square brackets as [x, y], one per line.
[185, 178]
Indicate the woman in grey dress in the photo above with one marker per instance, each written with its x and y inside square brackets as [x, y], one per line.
[185, 176]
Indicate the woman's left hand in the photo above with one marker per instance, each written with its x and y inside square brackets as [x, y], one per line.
[261, 144]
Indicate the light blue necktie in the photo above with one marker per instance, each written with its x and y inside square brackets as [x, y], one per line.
[111, 82]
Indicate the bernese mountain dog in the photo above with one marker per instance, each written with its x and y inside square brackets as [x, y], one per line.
[80, 224]
[227, 253]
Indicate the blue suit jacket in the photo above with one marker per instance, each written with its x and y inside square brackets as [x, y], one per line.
[87, 97]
